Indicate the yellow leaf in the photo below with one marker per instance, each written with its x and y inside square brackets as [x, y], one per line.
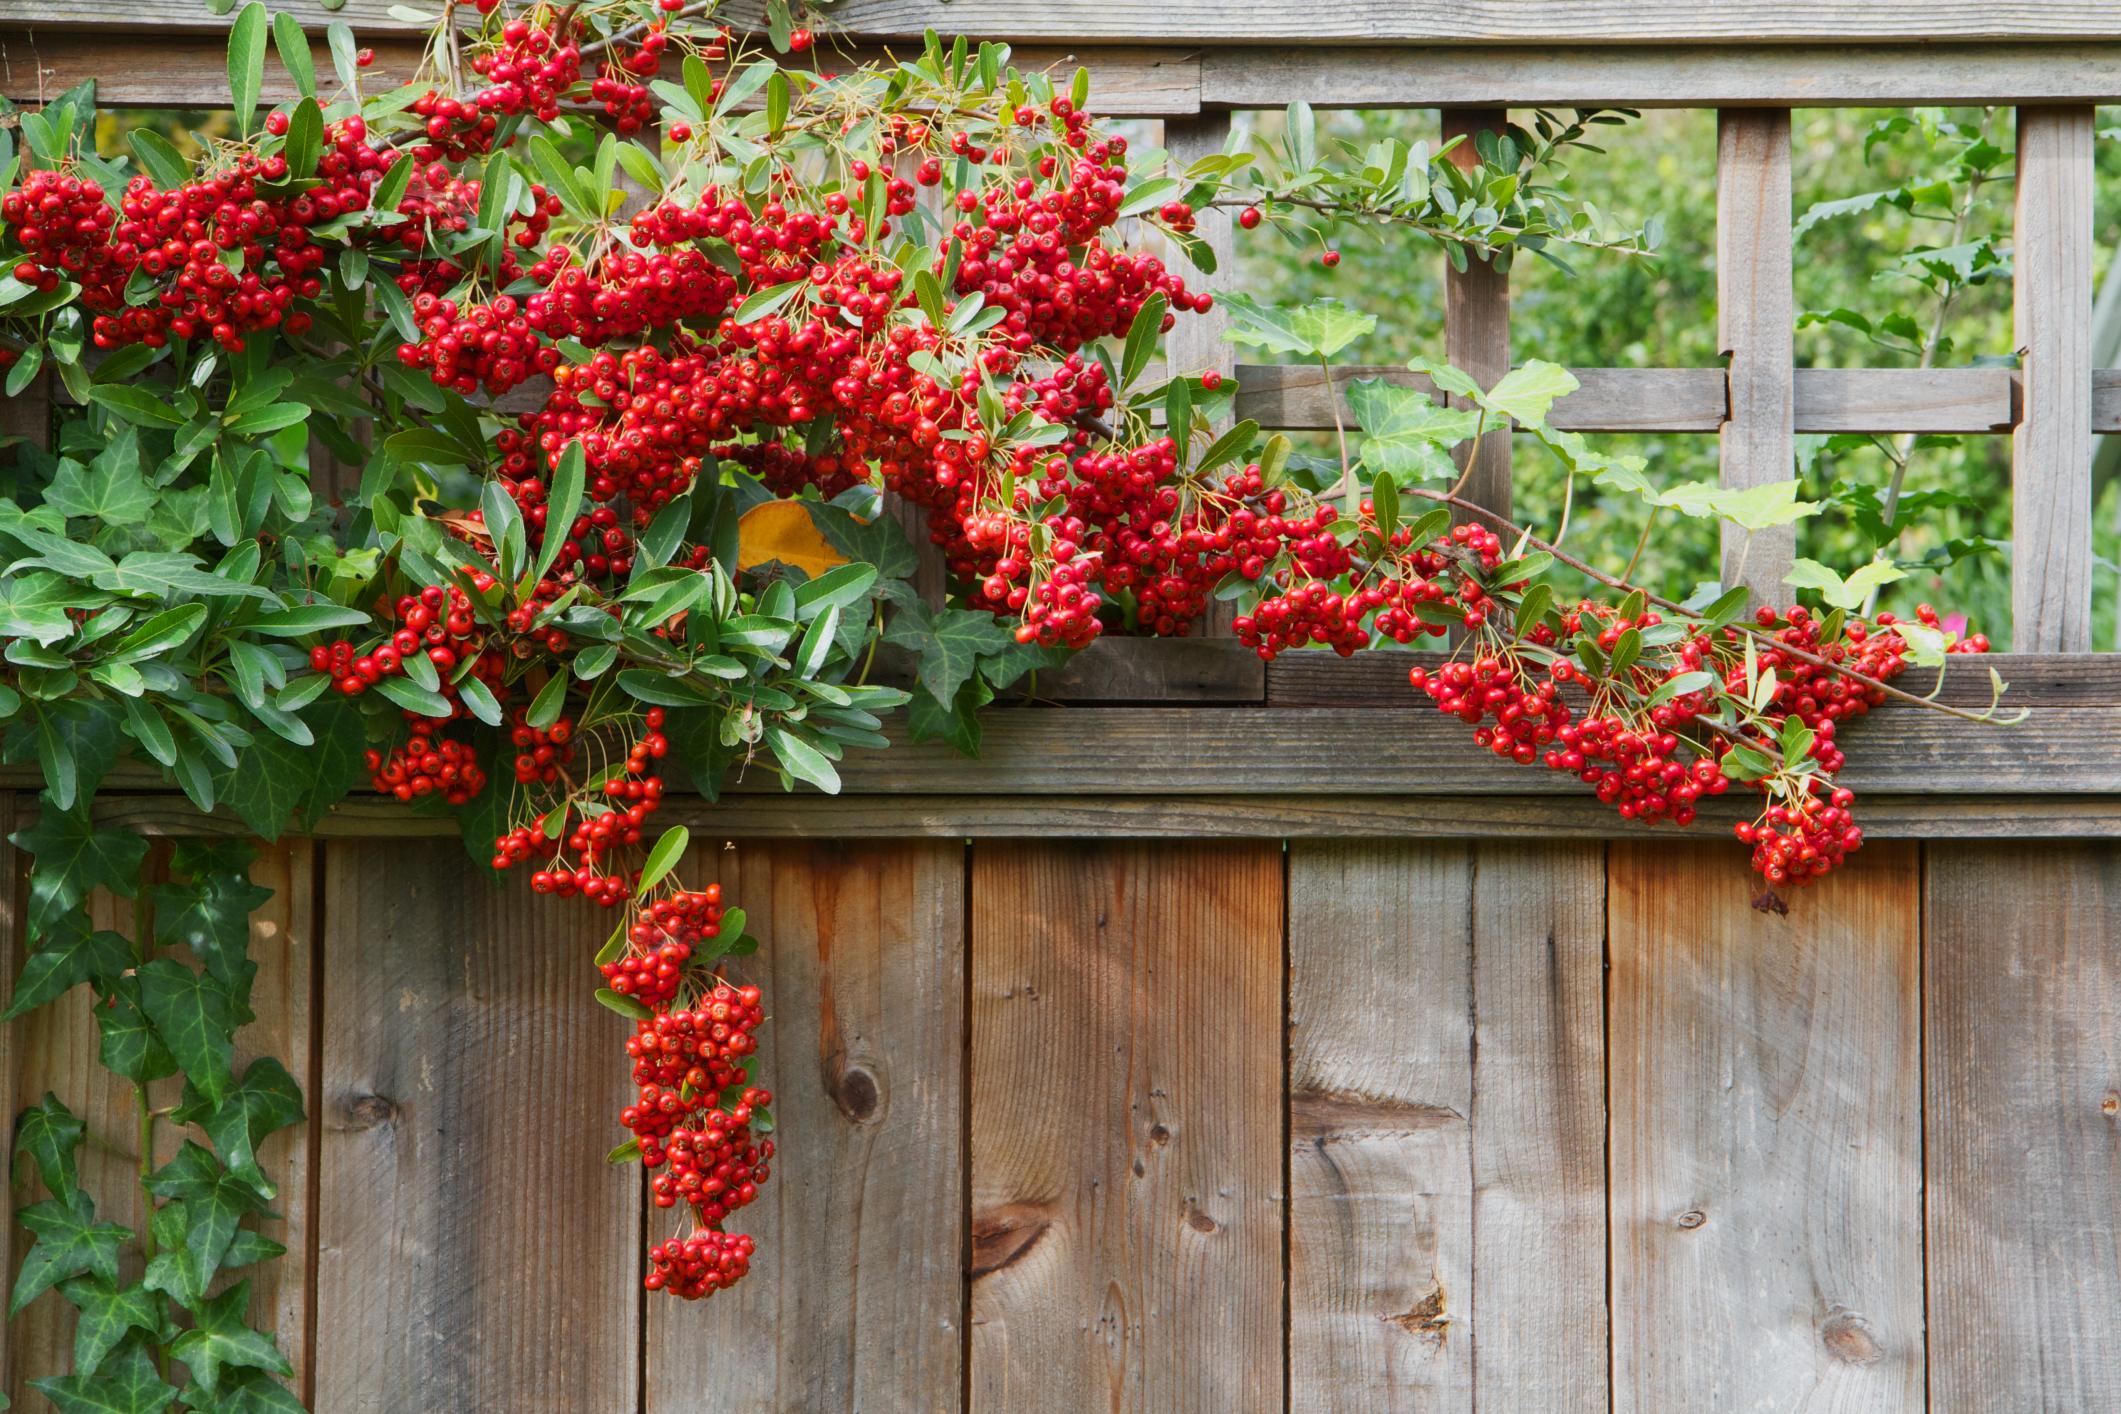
[784, 531]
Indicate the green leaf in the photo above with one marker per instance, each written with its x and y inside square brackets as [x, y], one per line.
[624, 1005]
[664, 857]
[765, 302]
[1320, 329]
[804, 761]
[159, 634]
[196, 1018]
[128, 1045]
[211, 1203]
[159, 158]
[48, 1135]
[107, 1314]
[220, 1338]
[67, 956]
[264, 1101]
[1846, 594]
[134, 403]
[1524, 394]
[246, 63]
[305, 619]
[73, 858]
[415, 698]
[275, 780]
[836, 588]
[545, 707]
[287, 37]
[563, 502]
[70, 1242]
[124, 1384]
[1142, 335]
[1406, 433]
[1753, 508]
[949, 643]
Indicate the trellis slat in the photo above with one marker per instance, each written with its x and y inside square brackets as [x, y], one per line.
[1755, 314]
[2051, 452]
[1766, 1097]
[1443, 22]
[1476, 325]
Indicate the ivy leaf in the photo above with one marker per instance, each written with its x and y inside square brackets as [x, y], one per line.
[957, 724]
[265, 1100]
[108, 1313]
[73, 858]
[949, 643]
[1407, 435]
[34, 606]
[70, 1242]
[1753, 508]
[127, 1384]
[48, 1134]
[251, 1392]
[66, 956]
[209, 912]
[211, 1202]
[220, 1337]
[1320, 329]
[274, 780]
[1524, 394]
[196, 1018]
[110, 490]
[129, 1045]
[1842, 593]
[879, 541]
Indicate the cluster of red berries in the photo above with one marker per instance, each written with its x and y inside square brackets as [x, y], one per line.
[662, 939]
[426, 764]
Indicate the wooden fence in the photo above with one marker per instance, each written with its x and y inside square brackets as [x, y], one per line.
[1235, 1038]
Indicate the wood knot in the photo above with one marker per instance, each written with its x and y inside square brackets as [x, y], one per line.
[857, 1094]
[1004, 1236]
[369, 1111]
[1427, 1319]
[1159, 1134]
[1198, 1220]
[1692, 1218]
[2111, 1105]
[1849, 1338]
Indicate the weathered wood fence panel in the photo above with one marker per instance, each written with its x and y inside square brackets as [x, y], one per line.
[1035, 1102]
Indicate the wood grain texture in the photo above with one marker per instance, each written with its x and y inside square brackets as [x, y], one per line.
[1440, 22]
[1126, 1068]
[1381, 1181]
[474, 1250]
[1378, 678]
[1291, 396]
[1476, 328]
[854, 1297]
[2051, 452]
[1488, 814]
[178, 70]
[12, 898]
[1728, 74]
[1755, 310]
[1539, 1127]
[1766, 1135]
[1447, 1129]
[2023, 1010]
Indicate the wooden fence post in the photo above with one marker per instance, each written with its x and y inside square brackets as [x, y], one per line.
[2051, 449]
[1476, 324]
[1755, 318]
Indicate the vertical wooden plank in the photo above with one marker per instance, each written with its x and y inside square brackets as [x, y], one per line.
[1126, 1070]
[854, 1298]
[1195, 344]
[1766, 1135]
[282, 943]
[59, 1054]
[2023, 1006]
[1539, 1127]
[1380, 1146]
[474, 1249]
[1476, 303]
[12, 898]
[1447, 1126]
[2051, 447]
[1756, 319]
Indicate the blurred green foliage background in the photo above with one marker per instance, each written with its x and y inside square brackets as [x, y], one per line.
[1661, 312]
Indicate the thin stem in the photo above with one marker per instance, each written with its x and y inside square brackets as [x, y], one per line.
[692, 11]
[1641, 542]
[1504, 523]
[1350, 503]
[1472, 457]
